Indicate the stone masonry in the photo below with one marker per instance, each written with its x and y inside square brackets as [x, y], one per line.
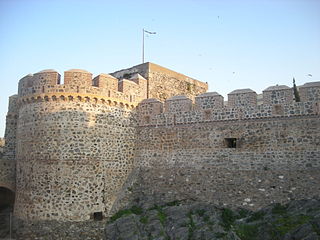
[147, 135]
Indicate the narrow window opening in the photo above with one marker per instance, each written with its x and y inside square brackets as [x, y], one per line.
[231, 142]
[97, 216]
[109, 94]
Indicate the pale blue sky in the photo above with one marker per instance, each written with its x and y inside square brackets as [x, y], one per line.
[263, 42]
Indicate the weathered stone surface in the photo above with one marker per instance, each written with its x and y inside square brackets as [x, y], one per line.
[203, 221]
[53, 230]
[80, 149]
[164, 83]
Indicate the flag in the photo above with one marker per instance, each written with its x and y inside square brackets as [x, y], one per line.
[149, 32]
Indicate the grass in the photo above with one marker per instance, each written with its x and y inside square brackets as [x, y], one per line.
[200, 212]
[125, 212]
[191, 225]
[256, 216]
[144, 219]
[279, 209]
[162, 216]
[206, 218]
[316, 229]
[247, 232]
[285, 224]
[243, 213]
[228, 218]
[220, 234]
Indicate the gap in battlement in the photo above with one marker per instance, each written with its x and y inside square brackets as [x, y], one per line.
[61, 81]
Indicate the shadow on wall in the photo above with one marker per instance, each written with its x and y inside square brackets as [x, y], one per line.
[6, 199]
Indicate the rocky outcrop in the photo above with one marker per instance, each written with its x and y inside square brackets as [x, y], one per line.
[178, 220]
[298, 220]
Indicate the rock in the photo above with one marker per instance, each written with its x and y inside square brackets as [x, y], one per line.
[302, 232]
[297, 220]
[312, 236]
[180, 233]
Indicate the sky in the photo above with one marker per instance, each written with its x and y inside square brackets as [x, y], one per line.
[231, 44]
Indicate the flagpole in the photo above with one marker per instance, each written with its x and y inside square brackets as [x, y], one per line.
[143, 55]
[142, 45]
[143, 31]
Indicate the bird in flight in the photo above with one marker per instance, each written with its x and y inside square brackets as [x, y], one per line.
[309, 75]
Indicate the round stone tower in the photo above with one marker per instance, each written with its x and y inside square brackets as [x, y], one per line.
[74, 147]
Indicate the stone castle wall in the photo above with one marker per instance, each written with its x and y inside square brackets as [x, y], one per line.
[82, 147]
[72, 144]
[275, 160]
[238, 155]
[164, 83]
[72, 157]
[7, 160]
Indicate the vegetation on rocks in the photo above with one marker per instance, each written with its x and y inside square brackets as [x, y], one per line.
[296, 220]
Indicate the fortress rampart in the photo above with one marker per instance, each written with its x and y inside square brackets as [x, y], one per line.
[71, 158]
[74, 142]
[242, 105]
[78, 81]
[70, 147]
[90, 146]
[238, 154]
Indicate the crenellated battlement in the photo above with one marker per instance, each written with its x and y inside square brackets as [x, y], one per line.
[242, 104]
[77, 97]
[77, 81]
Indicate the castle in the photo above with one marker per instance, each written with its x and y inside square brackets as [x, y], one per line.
[145, 135]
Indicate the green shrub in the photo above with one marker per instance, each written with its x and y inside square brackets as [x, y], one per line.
[136, 210]
[279, 209]
[133, 210]
[220, 234]
[285, 224]
[191, 225]
[247, 232]
[200, 212]
[243, 213]
[161, 215]
[206, 218]
[256, 216]
[228, 218]
[144, 219]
